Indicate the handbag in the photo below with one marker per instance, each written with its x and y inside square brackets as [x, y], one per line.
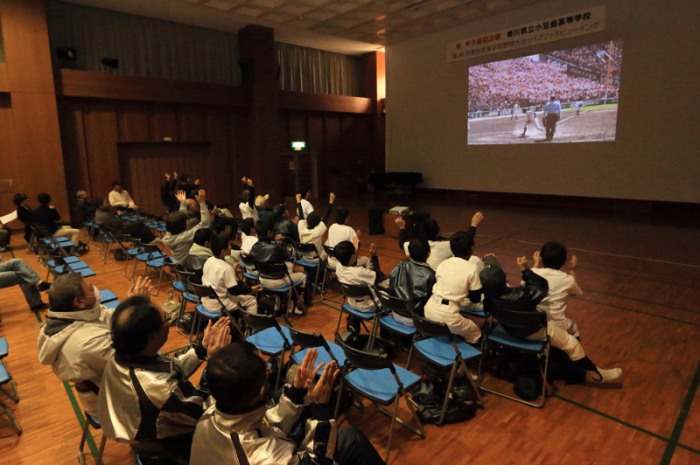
[172, 305]
[428, 398]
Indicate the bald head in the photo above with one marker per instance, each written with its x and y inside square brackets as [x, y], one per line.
[134, 324]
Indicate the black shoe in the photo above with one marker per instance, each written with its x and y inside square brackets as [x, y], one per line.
[42, 306]
[44, 286]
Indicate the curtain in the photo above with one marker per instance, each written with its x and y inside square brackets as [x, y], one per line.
[305, 69]
[144, 46]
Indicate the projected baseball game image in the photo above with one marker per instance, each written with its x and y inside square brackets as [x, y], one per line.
[560, 96]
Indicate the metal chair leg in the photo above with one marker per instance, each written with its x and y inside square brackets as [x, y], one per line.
[450, 385]
[391, 428]
[81, 453]
[98, 459]
[11, 417]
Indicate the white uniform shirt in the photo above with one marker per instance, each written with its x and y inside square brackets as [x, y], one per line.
[357, 275]
[560, 285]
[248, 212]
[306, 207]
[247, 243]
[313, 236]
[338, 233]
[220, 276]
[120, 199]
[455, 278]
[439, 252]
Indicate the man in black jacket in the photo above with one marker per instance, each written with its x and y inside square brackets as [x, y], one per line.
[525, 298]
[413, 279]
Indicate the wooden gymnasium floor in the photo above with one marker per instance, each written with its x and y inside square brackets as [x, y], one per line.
[639, 311]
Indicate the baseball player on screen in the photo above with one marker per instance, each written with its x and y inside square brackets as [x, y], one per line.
[531, 119]
[516, 107]
[578, 105]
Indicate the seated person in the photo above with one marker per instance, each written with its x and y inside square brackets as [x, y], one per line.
[222, 278]
[105, 218]
[24, 214]
[16, 272]
[413, 279]
[146, 395]
[266, 250]
[305, 193]
[265, 212]
[457, 278]
[348, 273]
[76, 339]
[45, 215]
[244, 426]
[429, 230]
[120, 198]
[553, 257]
[339, 232]
[250, 235]
[200, 251]
[178, 237]
[526, 299]
[167, 193]
[312, 229]
[84, 207]
[247, 199]
[284, 226]
[220, 217]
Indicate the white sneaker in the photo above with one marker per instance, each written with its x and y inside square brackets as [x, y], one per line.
[603, 376]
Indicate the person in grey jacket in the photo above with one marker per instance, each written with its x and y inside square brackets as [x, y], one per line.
[178, 238]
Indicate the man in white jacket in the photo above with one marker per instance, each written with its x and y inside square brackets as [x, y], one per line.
[76, 339]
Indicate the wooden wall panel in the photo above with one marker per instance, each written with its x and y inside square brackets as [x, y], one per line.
[314, 141]
[289, 100]
[133, 123]
[191, 125]
[10, 168]
[163, 123]
[74, 151]
[297, 127]
[100, 126]
[4, 85]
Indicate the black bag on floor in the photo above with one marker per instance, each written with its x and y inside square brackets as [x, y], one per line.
[120, 255]
[429, 398]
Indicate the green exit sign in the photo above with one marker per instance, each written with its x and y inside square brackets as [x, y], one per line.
[298, 145]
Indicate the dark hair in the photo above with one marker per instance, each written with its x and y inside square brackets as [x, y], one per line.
[553, 255]
[461, 244]
[313, 220]
[419, 249]
[176, 222]
[116, 183]
[203, 235]
[278, 211]
[341, 214]
[19, 198]
[219, 243]
[247, 224]
[262, 228]
[343, 252]
[244, 197]
[64, 290]
[303, 190]
[99, 201]
[43, 198]
[134, 321]
[183, 177]
[236, 375]
[428, 229]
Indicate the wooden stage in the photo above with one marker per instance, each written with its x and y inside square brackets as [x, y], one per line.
[639, 311]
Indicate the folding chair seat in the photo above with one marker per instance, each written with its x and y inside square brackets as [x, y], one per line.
[438, 346]
[114, 237]
[4, 350]
[269, 337]
[306, 341]
[112, 304]
[91, 421]
[377, 379]
[304, 251]
[249, 269]
[60, 261]
[363, 291]
[155, 259]
[275, 271]
[107, 295]
[400, 307]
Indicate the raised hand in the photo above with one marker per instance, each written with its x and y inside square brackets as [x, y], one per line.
[249, 182]
[490, 254]
[305, 373]
[167, 176]
[142, 287]
[373, 249]
[522, 263]
[213, 338]
[332, 197]
[358, 233]
[574, 263]
[476, 219]
[537, 259]
[181, 196]
[175, 174]
[201, 197]
[298, 198]
[321, 392]
[400, 222]
[356, 242]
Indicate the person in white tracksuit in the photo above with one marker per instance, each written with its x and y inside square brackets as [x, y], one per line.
[531, 119]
